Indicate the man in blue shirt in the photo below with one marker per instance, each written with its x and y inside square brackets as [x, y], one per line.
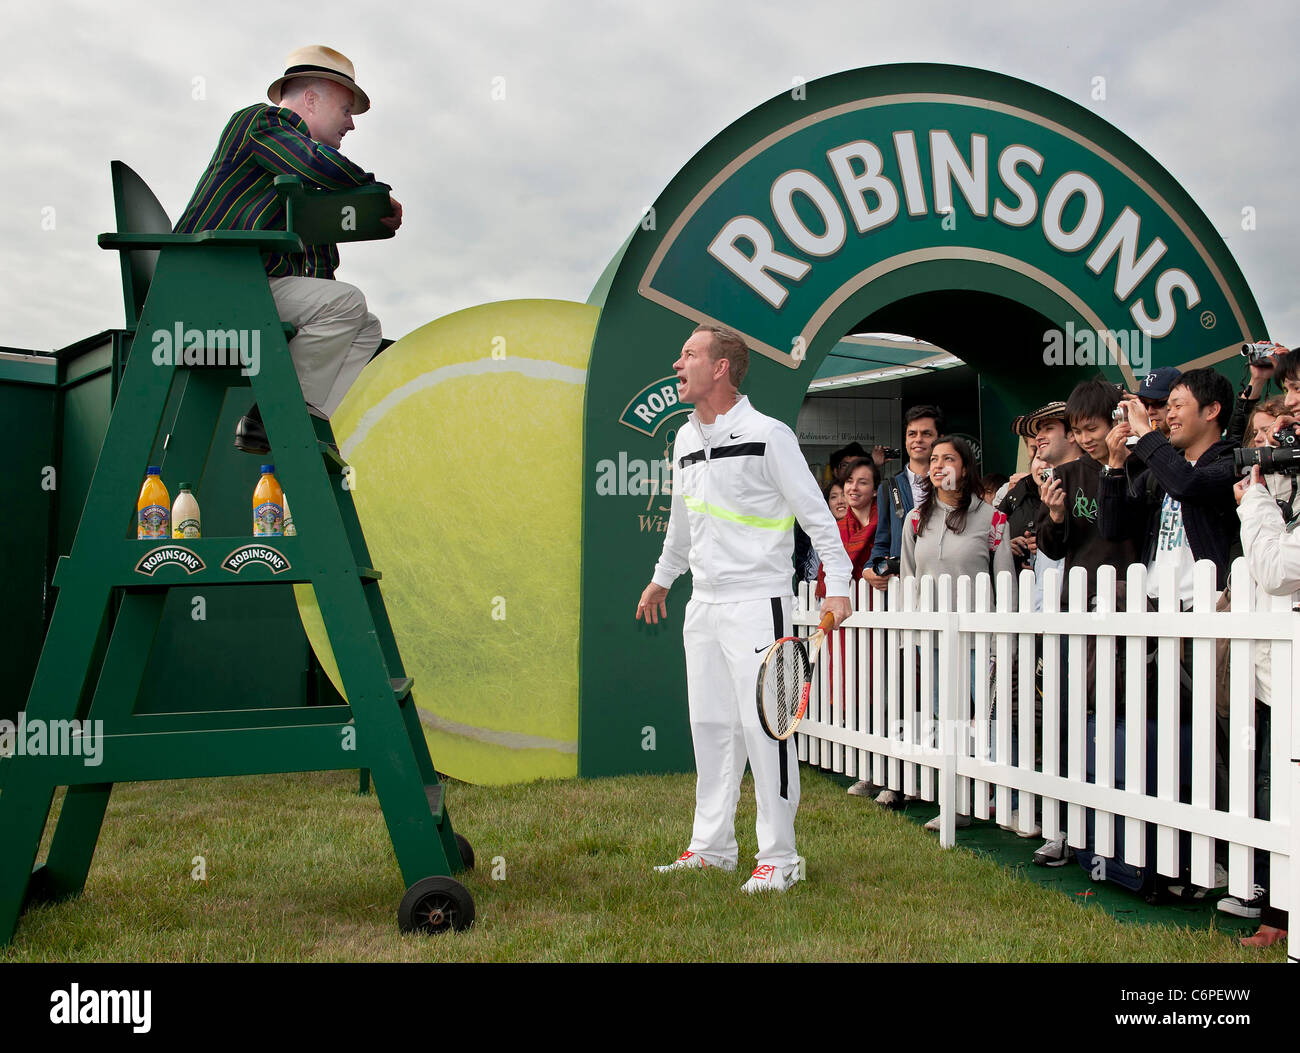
[922, 426]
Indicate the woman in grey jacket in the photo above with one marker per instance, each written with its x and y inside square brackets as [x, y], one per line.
[953, 531]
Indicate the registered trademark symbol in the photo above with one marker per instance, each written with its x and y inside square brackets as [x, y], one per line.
[1207, 319]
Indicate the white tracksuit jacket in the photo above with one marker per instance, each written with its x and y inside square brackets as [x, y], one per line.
[735, 501]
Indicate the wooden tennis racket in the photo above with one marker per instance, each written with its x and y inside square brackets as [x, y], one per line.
[785, 680]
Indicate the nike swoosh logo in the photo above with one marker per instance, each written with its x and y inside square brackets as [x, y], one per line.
[734, 435]
[760, 650]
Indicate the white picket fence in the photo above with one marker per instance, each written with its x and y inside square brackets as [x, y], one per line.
[873, 718]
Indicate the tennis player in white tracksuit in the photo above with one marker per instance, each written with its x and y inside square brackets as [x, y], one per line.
[739, 483]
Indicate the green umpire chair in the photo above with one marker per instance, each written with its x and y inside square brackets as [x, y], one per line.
[112, 587]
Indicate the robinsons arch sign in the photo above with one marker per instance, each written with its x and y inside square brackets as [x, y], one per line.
[1002, 222]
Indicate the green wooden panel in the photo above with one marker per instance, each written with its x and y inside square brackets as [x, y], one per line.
[31, 506]
[351, 215]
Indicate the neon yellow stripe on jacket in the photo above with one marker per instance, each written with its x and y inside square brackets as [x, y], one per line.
[704, 508]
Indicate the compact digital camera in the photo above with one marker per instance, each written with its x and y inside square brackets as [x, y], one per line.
[886, 565]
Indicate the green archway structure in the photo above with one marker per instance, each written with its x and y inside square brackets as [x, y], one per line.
[988, 216]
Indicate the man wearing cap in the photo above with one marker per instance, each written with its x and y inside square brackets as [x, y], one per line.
[1050, 445]
[314, 103]
[1056, 447]
[1018, 500]
[1051, 431]
[1153, 393]
[1019, 430]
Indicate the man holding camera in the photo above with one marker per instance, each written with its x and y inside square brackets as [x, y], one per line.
[1272, 551]
[1153, 393]
[1180, 508]
[1067, 523]
[1067, 532]
[902, 493]
[1261, 361]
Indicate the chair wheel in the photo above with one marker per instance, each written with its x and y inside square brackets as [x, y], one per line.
[436, 904]
[466, 851]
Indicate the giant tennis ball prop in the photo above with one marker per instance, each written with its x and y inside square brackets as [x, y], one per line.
[465, 440]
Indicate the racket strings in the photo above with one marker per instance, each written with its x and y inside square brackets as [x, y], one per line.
[785, 674]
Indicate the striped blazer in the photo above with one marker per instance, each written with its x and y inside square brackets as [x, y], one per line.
[237, 189]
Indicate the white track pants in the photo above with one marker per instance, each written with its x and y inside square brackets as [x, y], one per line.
[724, 648]
[336, 336]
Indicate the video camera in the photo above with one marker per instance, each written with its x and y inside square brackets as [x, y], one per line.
[1260, 350]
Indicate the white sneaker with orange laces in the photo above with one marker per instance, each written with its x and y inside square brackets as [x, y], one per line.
[767, 878]
[688, 860]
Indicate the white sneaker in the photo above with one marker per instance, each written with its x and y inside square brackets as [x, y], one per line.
[767, 878]
[933, 825]
[1014, 827]
[861, 788]
[688, 860]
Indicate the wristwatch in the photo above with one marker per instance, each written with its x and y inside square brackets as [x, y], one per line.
[1110, 472]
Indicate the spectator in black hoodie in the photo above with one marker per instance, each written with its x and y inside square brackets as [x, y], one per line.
[1067, 530]
[1067, 519]
[1181, 508]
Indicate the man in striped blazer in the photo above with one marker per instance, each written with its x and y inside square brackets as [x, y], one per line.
[314, 103]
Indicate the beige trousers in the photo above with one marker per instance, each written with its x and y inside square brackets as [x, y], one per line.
[336, 336]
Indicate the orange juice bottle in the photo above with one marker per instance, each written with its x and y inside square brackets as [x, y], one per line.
[153, 509]
[268, 505]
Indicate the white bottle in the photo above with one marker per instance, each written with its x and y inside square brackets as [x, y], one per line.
[289, 529]
[185, 513]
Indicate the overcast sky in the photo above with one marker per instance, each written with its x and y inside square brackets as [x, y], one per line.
[531, 196]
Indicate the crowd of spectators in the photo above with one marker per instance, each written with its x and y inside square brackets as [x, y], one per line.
[1107, 478]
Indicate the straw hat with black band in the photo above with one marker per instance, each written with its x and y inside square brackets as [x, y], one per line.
[316, 60]
[1052, 411]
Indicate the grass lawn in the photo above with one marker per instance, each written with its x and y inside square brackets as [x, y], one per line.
[299, 868]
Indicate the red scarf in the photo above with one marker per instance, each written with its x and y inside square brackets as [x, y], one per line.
[857, 538]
